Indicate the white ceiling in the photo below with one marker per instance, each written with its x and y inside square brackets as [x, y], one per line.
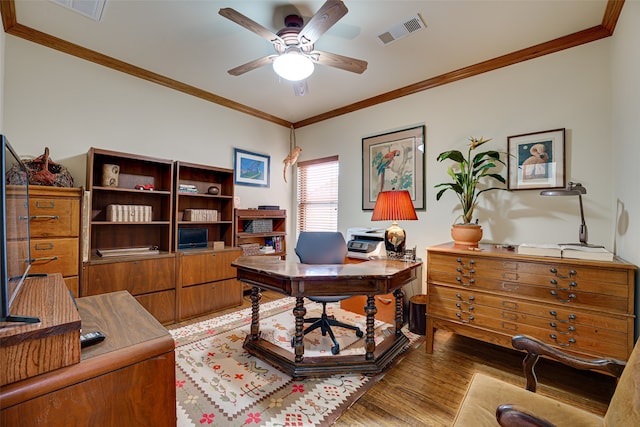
[188, 41]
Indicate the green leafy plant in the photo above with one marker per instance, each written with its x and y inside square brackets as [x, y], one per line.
[468, 172]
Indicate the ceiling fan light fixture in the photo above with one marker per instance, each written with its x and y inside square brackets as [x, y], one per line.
[293, 66]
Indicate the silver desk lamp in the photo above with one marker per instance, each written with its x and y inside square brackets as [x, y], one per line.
[574, 189]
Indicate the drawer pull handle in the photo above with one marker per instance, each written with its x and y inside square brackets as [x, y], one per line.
[554, 325]
[571, 285]
[459, 270]
[471, 281]
[571, 317]
[44, 246]
[571, 297]
[50, 258]
[555, 271]
[45, 205]
[459, 260]
[54, 217]
[462, 320]
[555, 338]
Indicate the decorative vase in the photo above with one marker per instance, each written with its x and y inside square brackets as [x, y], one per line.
[466, 235]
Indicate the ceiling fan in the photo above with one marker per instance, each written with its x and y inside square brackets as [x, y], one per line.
[295, 56]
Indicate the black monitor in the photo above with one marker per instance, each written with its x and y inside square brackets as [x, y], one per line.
[14, 230]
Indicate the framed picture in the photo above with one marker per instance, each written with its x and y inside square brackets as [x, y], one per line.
[251, 168]
[394, 161]
[536, 160]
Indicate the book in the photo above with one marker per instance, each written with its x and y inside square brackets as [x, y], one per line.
[127, 251]
[565, 251]
[540, 249]
[586, 252]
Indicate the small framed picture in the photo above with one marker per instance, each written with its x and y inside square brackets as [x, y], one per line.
[536, 160]
[251, 168]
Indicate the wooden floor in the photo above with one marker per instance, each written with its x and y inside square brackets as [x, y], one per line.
[425, 389]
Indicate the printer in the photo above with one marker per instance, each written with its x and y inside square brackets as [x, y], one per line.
[365, 243]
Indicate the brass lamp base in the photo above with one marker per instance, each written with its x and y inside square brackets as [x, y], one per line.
[395, 240]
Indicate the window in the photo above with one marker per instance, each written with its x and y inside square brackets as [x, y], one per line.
[318, 194]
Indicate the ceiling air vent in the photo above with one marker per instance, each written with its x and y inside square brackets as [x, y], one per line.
[89, 8]
[402, 30]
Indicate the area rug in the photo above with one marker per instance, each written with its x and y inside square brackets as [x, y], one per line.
[219, 384]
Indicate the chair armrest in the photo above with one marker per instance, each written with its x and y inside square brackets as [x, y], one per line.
[536, 348]
[513, 415]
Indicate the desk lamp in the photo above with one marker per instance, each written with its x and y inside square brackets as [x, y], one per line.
[574, 189]
[393, 206]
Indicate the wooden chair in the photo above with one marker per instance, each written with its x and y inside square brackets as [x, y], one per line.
[492, 402]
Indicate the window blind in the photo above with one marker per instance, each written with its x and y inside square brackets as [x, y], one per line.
[317, 185]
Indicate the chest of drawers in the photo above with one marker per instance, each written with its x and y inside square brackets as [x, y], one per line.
[55, 232]
[584, 307]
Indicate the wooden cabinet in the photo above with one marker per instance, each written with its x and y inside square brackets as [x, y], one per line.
[54, 225]
[204, 277]
[128, 379]
[150, 280]
[584, 307]
[206, 281]
[150, 275]
[262, 227]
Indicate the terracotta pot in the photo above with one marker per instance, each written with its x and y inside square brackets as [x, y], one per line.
[466, 235]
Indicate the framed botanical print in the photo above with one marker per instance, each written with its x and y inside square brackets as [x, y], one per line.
[536, 160]
[394, 161]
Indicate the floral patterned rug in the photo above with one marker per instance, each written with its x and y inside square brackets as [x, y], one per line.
[219, 384]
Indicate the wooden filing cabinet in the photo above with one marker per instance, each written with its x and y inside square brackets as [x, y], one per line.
[55, 214]
[207, 281]
[583, 307]
[150, 280]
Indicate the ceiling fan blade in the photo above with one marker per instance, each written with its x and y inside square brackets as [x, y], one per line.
[338, 61]
[300, 87]
[325, 18]
[252, 65]
[250, 25]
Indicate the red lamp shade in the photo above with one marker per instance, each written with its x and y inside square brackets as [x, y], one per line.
[394, 206]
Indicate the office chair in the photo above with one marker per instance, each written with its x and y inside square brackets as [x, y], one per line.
[324, 247]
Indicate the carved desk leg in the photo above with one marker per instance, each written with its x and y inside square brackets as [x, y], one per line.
[299, 311]
[256, 296]
[399, 294]
[369, 341]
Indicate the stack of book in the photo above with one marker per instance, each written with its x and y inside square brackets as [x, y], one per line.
[187, 188]
[576, 251]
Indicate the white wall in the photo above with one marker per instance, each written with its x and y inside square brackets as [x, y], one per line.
[625, 59]
[69, 105]
[570, 89]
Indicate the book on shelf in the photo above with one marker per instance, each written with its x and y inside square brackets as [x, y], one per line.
[152, 250]
[565, 251]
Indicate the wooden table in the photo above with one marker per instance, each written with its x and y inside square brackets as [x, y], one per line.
[128, 379]
[369, 278]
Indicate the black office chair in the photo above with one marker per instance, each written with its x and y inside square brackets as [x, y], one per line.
[323, 247]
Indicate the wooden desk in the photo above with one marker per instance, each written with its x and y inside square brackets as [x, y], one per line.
[128, 379]
[369, 278]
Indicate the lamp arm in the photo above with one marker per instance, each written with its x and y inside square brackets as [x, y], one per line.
[583, 224]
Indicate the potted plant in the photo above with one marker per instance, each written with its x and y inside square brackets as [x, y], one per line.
[468, 174]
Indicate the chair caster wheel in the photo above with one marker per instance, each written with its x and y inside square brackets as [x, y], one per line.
[335, 349]
[359, 333]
